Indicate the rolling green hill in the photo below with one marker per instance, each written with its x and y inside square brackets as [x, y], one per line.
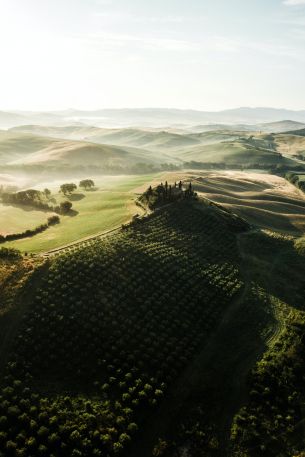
[300, 132]
[290, 144]
[141, 343]
[242, 151]
[14, 146]
[140, 138]
[135, 343]
[72, 132]
[25, 149]
[118, 150]
[83, 153]
[280, 126]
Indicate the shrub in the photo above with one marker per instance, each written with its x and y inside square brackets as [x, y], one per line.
[10, 253]
[65, 207]
[52, 220]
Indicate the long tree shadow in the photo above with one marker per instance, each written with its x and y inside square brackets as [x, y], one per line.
[76, 197]
[28, 208]
[93, 189]
[72, 213]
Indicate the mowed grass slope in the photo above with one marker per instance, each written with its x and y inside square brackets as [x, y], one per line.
[290, 144]
[15, 219]
[264, 200]
[18, 149]
[80, 153]
[110, 205]
[14, 146]
[239, 152]
[79, 145]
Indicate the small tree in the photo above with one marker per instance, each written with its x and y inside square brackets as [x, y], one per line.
[52, 220]
[47, 192]
[68, 188]
[65, 207]
[86, 184]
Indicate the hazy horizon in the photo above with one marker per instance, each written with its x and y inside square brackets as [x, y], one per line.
[198, 55]
[174, 108]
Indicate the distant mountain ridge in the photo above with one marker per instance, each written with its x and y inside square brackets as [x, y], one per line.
[150, 117]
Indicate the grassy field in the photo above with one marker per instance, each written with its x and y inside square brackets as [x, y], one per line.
[110, 205]
[17, 219]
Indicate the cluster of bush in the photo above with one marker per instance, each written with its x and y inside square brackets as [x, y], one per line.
[29, 197]
[36, 199]
[10, 254]
[52, 220]
[271, 423]
[166, 193]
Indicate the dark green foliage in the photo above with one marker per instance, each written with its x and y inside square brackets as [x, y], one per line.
[65, 207]
[47, 192]
[271, 422]
[164, 194]
[29, 197]
[10, 253]
[294, 178]
[86, 184]
[112, 327]
[52, 220]
[68, 188]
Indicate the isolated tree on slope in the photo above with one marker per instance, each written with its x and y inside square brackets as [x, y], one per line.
[86, 183]
[68, 188]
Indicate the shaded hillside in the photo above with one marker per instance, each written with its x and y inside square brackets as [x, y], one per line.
[300, 132]
[112, 328]
[141, 343]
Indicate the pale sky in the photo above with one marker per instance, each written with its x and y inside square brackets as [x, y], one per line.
[200, 54]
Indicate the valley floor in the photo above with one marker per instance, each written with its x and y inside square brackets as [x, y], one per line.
[110, 205]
